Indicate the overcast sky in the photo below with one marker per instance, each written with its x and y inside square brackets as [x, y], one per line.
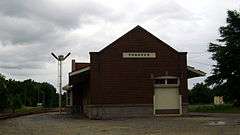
[31, 29]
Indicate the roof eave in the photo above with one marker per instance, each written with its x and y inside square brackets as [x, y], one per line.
[192, 72]
[79, 71]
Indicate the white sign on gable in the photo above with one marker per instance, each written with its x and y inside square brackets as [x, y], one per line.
[138, 55]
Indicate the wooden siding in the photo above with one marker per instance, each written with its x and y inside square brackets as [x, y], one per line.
[117, 80]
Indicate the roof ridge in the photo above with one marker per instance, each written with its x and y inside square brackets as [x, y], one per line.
[135, 28]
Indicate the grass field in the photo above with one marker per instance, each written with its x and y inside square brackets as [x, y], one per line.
[28, 109]
[25, 111]
[210, 108]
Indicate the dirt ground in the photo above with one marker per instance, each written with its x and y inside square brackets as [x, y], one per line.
[55, 124]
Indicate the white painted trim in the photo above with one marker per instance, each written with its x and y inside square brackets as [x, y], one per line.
[166, 77]
[167, 115]
[154, 102]
[180, 104]
[192, 69]
[139, 55]
[167, 85]
[79, 71]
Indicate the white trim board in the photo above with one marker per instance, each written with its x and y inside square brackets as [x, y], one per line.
[139, 55]
[192, 69]
[79, 71]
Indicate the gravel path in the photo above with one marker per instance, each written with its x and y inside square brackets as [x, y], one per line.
[55, 124]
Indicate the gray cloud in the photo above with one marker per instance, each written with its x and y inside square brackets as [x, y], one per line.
[27, 21]
[25, 31]
[23, 66]
[168, 10]
[67, 15]
[30, 30]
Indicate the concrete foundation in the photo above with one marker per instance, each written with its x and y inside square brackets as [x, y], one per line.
[123, 111]
[118, 111]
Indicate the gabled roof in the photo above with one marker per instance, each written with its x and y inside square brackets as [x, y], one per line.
[140, 29]
[85, 67]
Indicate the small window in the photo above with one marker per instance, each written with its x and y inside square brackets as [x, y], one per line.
[160, 81]
[172, 81]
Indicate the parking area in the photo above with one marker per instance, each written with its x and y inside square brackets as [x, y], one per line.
[55, 124]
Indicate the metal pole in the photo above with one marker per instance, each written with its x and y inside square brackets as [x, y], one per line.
[38, 95]
[60, 86]
[60, 58]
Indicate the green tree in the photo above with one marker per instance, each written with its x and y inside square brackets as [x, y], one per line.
[200, 94]
[30, 92]
[14, 94]
[226, 53]
[15, 102]
[48, 95]
[3, 93]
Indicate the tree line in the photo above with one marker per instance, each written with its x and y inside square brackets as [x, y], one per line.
[201, 93]
[225, 78]
[15, 94]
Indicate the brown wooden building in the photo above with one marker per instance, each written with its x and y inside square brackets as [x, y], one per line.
[136, 75]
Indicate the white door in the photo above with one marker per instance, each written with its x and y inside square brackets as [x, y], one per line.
[166, 100]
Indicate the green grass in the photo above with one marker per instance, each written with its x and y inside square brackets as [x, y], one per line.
[26, 109]
[225, 108]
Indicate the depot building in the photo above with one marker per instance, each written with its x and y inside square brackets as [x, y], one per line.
[136, 75]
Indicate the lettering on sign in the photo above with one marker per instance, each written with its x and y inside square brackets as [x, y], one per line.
[139, 55]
